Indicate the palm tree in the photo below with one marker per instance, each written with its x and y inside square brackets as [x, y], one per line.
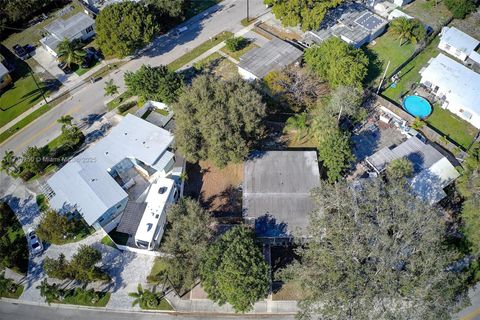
[403, 28]
[110, 88]
[145, 298]
[49, 292]
[70, 52]
[65, 120]
[9, 162]
[298, 123]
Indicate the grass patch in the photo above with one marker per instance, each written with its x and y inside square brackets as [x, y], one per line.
[287, 291]
[42, 202]
[409, 74]
[12, 233]
[24, 122]
[452, 126]
[163, 305]
[158, 268]
[217, 65]
[15, 294]
[248, 22]
[82, 298]
[163, 112]
[108, 68]
[119, 237]
[21, 95]
[386, 48]
[237, 54]
[426, 11]
[197, 6]
[118, 100]
[80, 71]
[108, 242]
[202, 48]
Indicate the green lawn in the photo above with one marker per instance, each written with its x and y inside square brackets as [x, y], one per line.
[21, 95]
[451, 126]
[237, 54]
[24, 122]
[426, 11]
[197, 6]
[16, 237]
[14, 295]
[207, 45]
[164, 305]
[386, 48]
[85, 300]
[118, 100]
[158, 267]
[410, 73]
[108, 242]
[80, 71]
[162, 112]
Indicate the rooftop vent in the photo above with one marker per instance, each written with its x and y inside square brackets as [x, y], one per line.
[162, 190]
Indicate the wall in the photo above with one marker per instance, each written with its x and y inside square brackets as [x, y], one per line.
[111, 214]
[246, 75]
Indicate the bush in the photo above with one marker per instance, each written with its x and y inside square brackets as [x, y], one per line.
[460, 8]
[235, 43]
[42, 202]
[57, 229]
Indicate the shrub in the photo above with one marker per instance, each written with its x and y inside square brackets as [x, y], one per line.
[235, 43]
[460, 8]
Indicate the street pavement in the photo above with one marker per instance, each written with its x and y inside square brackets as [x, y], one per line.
[29, 312]
[89, 100]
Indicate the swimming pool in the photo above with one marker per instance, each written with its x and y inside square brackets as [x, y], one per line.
[417, 106]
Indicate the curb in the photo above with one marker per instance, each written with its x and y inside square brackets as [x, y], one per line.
[129, 311]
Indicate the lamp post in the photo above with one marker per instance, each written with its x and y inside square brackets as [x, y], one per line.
[248, 3]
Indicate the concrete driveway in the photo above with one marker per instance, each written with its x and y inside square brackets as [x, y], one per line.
[50, 64]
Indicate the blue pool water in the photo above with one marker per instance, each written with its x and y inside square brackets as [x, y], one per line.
[417, 106]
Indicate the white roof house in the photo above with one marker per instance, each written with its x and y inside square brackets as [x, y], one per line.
[87, 183]
[457, 43]
[457, 85]
[79, 26]
[397, 14]
[432, 171]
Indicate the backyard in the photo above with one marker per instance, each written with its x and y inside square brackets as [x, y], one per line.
[384, 49]
[452, 127]
[409, 74]
[12, 234]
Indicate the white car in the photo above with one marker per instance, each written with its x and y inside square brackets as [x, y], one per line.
[34, 243]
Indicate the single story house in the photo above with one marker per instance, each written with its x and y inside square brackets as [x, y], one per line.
[94, 183]
[5, 78]
[432, 172]
[356, 25]
[457, 43]
[79, 26]
[276, 193]
[274, 55]
[398, 14]
[457, 86]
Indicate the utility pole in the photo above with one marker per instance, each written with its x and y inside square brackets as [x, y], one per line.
[383, 77]
[38, 87]
[248, 17]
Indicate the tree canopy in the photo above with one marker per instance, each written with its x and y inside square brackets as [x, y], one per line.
[186, 239]
[309, 14]
[154, 83]
[218, 120]
[338, 63]
[234, 270]
[399, 169]
[70, 52]
[374, 257]
[171, 8]
[410, 30]
[123, 27]
[460, 8]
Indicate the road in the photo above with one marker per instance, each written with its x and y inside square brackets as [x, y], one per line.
[28, 312]
[90, 100]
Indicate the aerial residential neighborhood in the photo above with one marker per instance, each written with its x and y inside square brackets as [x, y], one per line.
[213, 159]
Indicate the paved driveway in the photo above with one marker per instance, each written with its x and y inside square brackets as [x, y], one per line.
[49, 63]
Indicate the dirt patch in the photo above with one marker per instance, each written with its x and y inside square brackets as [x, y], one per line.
[219, 190]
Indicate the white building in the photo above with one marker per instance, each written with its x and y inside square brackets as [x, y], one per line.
[94, 184]
[456, 85]
[79, 26]
[398, 14]
[457, 43]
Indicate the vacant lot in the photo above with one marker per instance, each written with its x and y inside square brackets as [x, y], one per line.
[217, 65]
[452, 127]
[409, 74]
[219, 190]
[434, 15]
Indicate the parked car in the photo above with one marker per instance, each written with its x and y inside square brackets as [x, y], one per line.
[97, 53]
[65, 68]
[34, 243]
[88, 61]
[20, 52]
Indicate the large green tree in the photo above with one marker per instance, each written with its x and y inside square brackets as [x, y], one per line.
[122, 28]
[218, 120]
[309, 14]
[336, 154]
[468, 184]
[345, 101]
[70, 52]
[410, 30]
[154, 83]
[235, 271]
[338, 63]
[171, 8]
[33, 159]
[185, 242]
[371, 256]
[460, 8]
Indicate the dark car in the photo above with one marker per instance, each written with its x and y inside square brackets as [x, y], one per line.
[20, 52]
[88, 61]
[65, 68]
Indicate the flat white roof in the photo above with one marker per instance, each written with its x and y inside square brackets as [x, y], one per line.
[84, 182]
[459, 40]
[460, 84]
[157, 200]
